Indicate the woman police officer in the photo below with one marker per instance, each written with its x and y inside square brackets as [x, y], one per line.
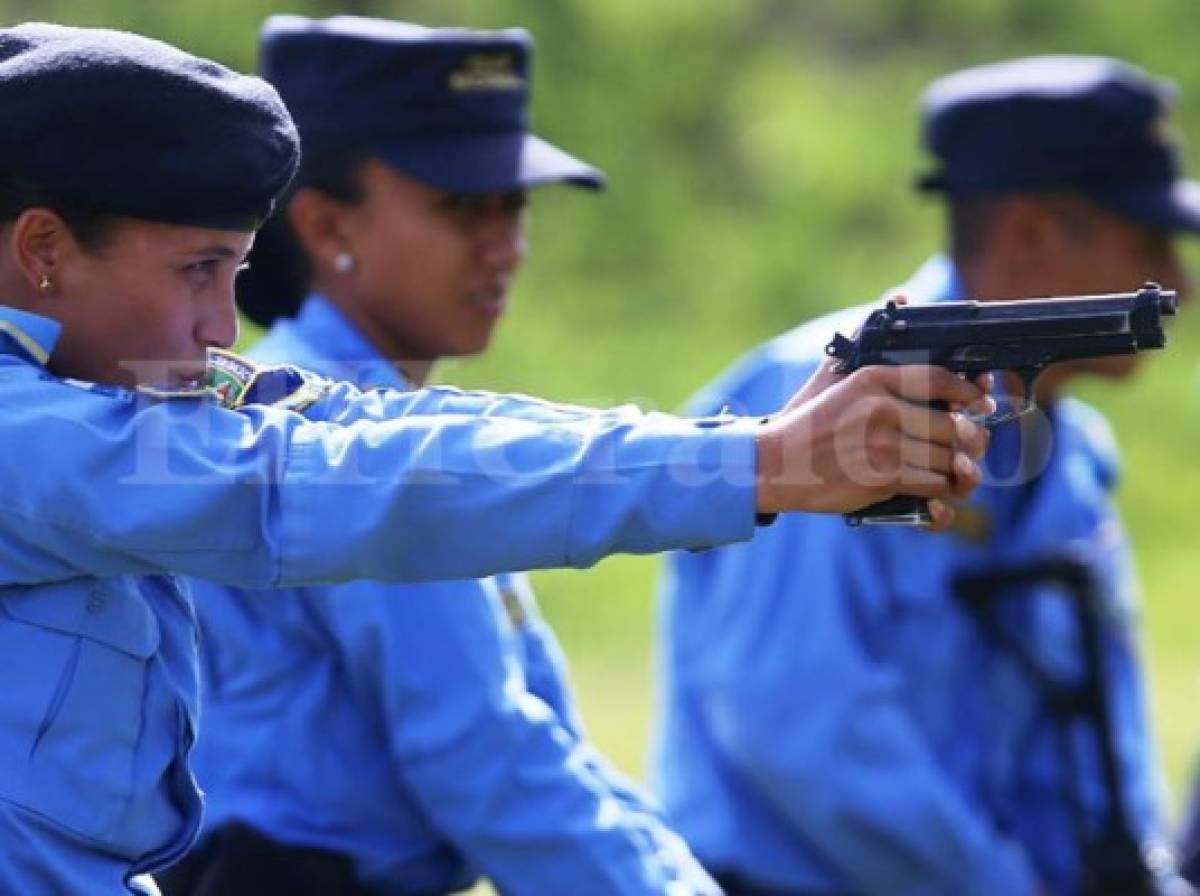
[132, 178]
[444, 696]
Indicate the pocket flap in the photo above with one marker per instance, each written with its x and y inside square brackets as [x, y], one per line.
[108, 611]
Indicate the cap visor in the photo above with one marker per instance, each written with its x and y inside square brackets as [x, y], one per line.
[1170, 207]
[488, 163]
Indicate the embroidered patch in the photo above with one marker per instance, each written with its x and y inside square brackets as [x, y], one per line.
[229, 376]
[236, 382]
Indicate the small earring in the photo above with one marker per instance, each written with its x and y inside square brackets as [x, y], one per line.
[45, 283]
[343, 262]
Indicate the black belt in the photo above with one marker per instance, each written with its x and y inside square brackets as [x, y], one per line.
[237, 860]
[735, 884]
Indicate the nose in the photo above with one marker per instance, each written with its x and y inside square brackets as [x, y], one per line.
[501, 240]
[1175, 276]
[1184, 285]
[217, 325]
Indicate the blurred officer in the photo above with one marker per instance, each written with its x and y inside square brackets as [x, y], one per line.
[1189, 838]
[132, 179]
[870, 738]
[430, 732]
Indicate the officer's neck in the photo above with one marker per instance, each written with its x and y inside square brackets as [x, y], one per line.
[417, 373]
[415, 369]
[17, 292]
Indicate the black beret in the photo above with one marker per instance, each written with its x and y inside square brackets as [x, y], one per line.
[1088, 123]
[121, 124]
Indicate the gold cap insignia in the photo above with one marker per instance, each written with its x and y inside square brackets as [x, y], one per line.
[487, 71]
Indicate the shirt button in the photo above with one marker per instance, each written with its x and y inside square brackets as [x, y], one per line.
[96, 602]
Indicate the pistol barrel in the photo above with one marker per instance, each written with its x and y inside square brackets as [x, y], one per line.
[1024, 333]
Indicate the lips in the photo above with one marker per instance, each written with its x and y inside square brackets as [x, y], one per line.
[181, 377]
[491, 301]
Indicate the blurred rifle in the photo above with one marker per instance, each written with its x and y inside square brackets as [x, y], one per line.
[1024, 336]
[1113, 860]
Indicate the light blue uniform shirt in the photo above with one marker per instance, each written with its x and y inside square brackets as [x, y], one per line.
[107, 493]
[426, 731]
[832, 721]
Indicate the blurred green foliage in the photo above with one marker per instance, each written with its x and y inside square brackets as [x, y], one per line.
[761, 154]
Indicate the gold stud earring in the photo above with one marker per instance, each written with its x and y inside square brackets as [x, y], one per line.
[45, 283]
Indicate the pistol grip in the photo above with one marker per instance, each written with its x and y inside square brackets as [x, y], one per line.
[899, 510]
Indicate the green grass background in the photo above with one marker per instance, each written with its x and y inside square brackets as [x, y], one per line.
[761, 154]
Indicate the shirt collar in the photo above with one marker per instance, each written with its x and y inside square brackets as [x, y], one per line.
[30, 334]
[352, 355]
[937, 280]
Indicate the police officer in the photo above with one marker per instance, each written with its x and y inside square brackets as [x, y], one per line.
[132, 179]
[832, 720]
[431, 735]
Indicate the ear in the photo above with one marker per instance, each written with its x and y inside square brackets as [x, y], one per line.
[318, 220]
[42, 245]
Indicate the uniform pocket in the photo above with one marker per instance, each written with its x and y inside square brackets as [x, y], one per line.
[74, 658]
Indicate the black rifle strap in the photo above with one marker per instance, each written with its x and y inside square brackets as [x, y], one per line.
[1111, 854]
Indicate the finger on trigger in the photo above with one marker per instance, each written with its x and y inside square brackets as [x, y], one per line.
[970, 436]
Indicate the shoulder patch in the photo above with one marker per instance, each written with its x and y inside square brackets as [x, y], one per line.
[229, 376]
[235, 382]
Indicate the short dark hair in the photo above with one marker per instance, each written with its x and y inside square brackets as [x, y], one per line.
[91, 228]
[280, 273]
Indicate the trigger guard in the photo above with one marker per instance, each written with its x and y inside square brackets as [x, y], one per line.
[1026, 404]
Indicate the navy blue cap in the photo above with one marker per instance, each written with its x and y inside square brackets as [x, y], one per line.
[1085, 123]
[447, 106]
[120, 124]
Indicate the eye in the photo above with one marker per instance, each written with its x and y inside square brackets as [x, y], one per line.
[516, 201]
[200, 274]
[207, 267]
[465, 205]
[472, 207]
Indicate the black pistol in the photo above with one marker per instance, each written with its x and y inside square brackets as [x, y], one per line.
[1023, 336]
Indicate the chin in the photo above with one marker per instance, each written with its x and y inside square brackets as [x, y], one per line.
[476, 344]
[1121, 368]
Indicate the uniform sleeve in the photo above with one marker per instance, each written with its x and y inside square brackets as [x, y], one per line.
[546, 678]
[767, 637]
[342, 403]
[543, 662]
[493, 768]
[108, 483]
